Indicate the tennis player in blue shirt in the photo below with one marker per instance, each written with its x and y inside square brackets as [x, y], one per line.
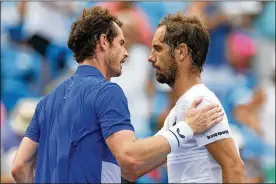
[81, 132]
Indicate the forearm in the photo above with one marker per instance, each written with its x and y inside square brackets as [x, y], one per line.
[159, 162]
[25, 161]
[142, 171]
[146, 151]
[233, 175]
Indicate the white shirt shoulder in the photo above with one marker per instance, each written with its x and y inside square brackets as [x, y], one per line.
[219, 131]
[192, 163]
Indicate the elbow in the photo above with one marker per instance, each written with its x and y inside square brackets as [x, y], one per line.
[129, 169]
[17, 170]
[130, 166]
[131, 177]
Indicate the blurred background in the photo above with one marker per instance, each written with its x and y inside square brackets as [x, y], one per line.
[240, 69]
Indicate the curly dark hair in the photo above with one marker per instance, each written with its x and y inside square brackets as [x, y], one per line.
[187, 29]
[87, 29]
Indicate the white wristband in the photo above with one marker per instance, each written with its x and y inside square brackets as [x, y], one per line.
[178, 134]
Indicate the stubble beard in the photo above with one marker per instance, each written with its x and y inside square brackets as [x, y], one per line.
[114, 66]
[169, 76]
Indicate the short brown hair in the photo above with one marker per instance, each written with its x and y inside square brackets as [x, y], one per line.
[187, 29]
[87, 29]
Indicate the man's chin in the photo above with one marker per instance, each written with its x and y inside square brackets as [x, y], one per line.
[163, 80]
[160, 79]
[118, 73]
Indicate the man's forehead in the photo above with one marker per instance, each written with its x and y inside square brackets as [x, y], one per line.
[159, 35]
[119, 31]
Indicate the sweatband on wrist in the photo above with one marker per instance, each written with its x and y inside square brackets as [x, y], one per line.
[178, 134]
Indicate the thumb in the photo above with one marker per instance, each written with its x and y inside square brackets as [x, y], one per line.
[196, 102]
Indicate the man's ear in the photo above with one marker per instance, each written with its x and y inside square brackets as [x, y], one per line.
[182, 52]
[103, 42]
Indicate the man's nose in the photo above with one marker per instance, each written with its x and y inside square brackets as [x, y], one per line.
[152, 58]
[126, 54]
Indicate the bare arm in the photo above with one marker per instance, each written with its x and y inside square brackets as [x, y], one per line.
[141, 172]
[225, 153]
[24, 161]
[140, 154]
[136, 157]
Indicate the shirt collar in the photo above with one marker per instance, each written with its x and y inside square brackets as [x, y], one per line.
[88, 70]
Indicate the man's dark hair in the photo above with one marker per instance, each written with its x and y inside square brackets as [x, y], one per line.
[87, 29]
[181, 28]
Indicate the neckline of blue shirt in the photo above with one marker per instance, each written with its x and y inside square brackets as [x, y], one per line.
[88, 70]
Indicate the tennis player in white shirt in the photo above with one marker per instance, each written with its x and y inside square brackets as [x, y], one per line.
[179, 48]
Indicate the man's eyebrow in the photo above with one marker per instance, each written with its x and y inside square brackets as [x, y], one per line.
[156, 46]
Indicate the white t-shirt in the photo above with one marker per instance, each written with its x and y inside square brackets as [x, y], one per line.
[192, 163]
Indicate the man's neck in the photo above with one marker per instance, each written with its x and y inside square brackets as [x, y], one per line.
[100, 65]
[183, 83]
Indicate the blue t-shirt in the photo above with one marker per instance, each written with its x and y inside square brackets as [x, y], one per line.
[71, 125]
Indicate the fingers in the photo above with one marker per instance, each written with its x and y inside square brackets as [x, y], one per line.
[209, 107]
[196, 102]
[213, 116]
[213, 112]
[205, 118]
[217, 115]
[214, 122]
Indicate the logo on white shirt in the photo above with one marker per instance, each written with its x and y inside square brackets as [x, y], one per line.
[217, 134]
[180, 135]
[175, 119]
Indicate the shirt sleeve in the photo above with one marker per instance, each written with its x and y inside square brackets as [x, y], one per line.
[112, 110]
[217, 132]
[33, 130]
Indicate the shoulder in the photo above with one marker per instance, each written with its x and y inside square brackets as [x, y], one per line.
[200, 91]
[112, 89]
[110, 92]
[41, 103]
